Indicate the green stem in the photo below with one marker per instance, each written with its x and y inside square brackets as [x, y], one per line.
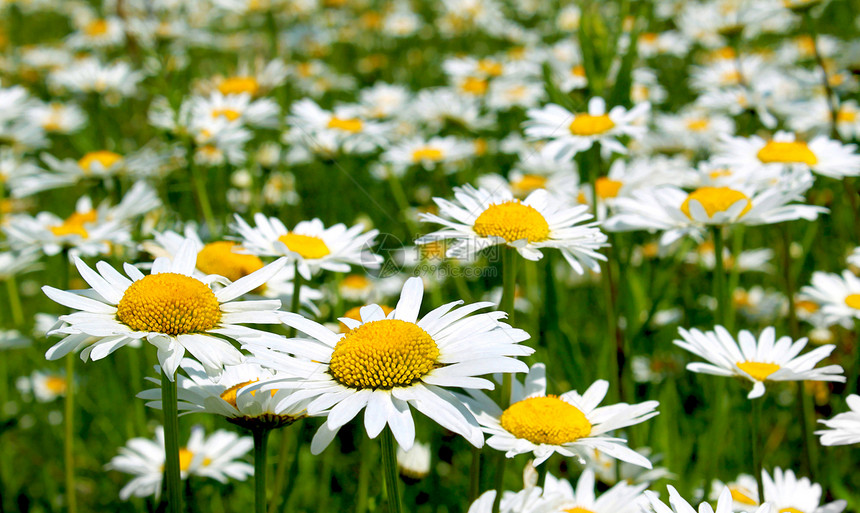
[69, 439]
[756, 450]
[402, 202]
[365, 462]
[509, 289]
[15, 302]
[295, 301]
[832, 100]
[171, 443]
[719, 276]
[543, 470]
[292, 473]
[475, 475]
[261, 444]
[389, 464]
[202, 195]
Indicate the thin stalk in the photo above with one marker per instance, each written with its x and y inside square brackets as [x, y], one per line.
[402, 203]
[261, 444]
[292, 473]
[756, 450]
[509, 289]
[200, 192]
[69, 438]
[614, 332]
[719, 276]
[365, 462]
[832, 100]
[542, 473]
[15, 302]
[389, 465]
[297, 296]
[475, 475]
[172, 476]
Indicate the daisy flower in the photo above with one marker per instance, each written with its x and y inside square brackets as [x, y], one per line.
[569, 424]
[621, 498]
[854, 258]
[820, 155]
[170, 308]
[57, 117]
[385, 364]
[844, 428]
[310, 244]
[680, 505]
[786, 493]
[340, 129]
[744, 492]
[529, 500]
[46, 386]
[765, 359]
[228, 395]
[429, 154]
[241, 108]
[611, 471]
[570, 133]
[838, 297]
[213, 457]
[88, 75]
[677, 213]
[480, 218]
[254, 79]
[414, 464]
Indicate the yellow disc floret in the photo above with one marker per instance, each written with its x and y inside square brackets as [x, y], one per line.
[239, 85]
[545, 420]
[527, 184]
[578, 509]
[96, 28]
[586, 124]
[352, 125]
[74, 225]
[169, 303]
[427, 153]
[742, 496]
[512, 221]
[185, 459]
[607, 188]
[853, 301]
[383, 354]
[715, 200]
[758, 370]
[307, 246]
[787, 152]
[221, 258]
[103, 157]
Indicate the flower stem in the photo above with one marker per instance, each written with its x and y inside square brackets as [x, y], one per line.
[69, 438]
[475, 475]
[295, 301]
[15, 302]
[832, 100]
[202, 195]
[756, 450]
[171, 443]
[389, 464]
[509, 289]
[261, 444]
[402, 203]
[363, 475]
[719, 276]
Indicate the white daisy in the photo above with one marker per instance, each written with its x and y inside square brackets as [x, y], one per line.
[427, 153]
[46, 386]
[384, 364]
[213, 457]
[758, 361]
[240, 108]
[56, 117]
[91, 76]
[414, 464]
[621, 498]
[820, 155]
[228, 395]
[744, 492]
[854, 258]
[844, 428]
[329, 131]
[786, 493]
[169, 307]
[569, 424]
[677, 213]
[529, 500]
[611, 471]
[837, 297]
[570, 133]
[680, 505]
[480, 218]
[310, 244]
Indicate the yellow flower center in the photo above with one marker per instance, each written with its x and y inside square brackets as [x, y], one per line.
[732, 77]
[545, 420]
[719, 173]
[229, 114]
[351, 125]
[853, 301]
[355, 314]
[759, 371]
[383, 354]
[528, 183]
[512, 221]
[185, 459]
[490, 67]
[355, 282]
[698, 125]
[74, 225]
[239, 85]
[586, 125]
[791, 510]
[56, 384]
[578, 71]
[169, 303]
[846, 116]
[307, 246]
[474, 85]
[787, 152]
[427, 153]
[96, 28]
[742, 496]
[221, 258]
[578, 509]
[715, 199]
[607, 188]
[229, 395]
[807, 306]
[103, 157]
